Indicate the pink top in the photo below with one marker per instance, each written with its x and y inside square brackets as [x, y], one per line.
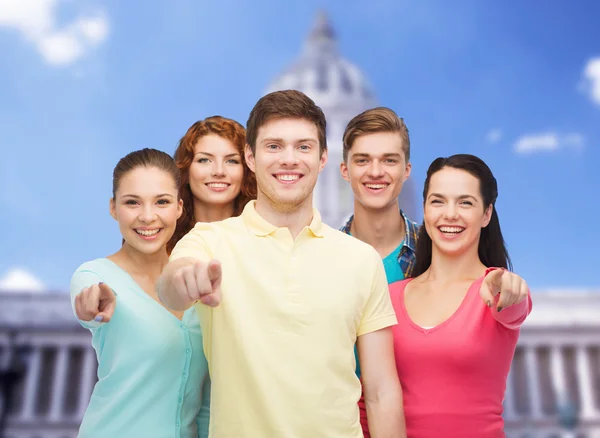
[453, 375]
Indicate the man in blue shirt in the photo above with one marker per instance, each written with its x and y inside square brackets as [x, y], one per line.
[376, 163]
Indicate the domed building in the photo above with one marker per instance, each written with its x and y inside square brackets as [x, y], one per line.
[342, 91]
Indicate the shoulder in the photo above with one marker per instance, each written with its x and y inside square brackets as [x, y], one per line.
[97, 266]
[399, 286]
[347, 242]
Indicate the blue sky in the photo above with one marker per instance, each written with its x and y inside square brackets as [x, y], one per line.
[83, 83]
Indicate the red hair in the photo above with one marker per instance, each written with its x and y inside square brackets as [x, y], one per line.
[184, 156]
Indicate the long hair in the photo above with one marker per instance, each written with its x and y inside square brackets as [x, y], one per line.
[184, 156]
[492, 248]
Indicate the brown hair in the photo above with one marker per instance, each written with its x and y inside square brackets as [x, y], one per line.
[184, 156]
[285, 104]
[371, 121]
[144, 158]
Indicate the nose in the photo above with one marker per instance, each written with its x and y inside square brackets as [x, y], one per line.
[147, 215]
[375, 169]
[288, 156]
[451, 211]
[218, 168]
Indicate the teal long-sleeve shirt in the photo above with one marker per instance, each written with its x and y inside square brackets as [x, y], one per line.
[152, 373]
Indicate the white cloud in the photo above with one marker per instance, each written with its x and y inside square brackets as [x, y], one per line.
[494, 136]
[36, 20]
[20, 280]
[590, 83]
[548, 142]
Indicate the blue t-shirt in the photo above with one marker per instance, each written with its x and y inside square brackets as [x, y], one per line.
[394, 273]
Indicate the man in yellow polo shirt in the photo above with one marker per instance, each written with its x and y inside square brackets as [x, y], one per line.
[283, 298]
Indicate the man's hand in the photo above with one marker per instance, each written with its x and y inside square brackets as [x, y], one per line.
[199, 282]
[511, 287]
[96, 302]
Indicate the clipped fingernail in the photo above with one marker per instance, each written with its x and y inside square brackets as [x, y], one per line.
[98, 318]
[489, 303]
[499, 309]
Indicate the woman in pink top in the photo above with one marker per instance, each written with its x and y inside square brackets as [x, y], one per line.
[459, 317]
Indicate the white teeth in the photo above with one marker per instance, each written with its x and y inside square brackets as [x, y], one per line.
[148, 233]
[451, 229]
[218, 185]
[288, 177]
[376, 186]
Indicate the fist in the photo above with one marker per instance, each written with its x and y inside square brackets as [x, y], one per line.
[199, 282]
[511, 288]
[95, 302]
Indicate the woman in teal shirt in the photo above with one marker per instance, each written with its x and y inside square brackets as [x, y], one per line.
[152, 373]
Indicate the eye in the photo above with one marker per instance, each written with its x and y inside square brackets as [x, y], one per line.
[391, 161]
[130, 202]
[272, 146]
[436, 201]
[233, 161]
[466, 203]
[304, 147]
[360, 161]
[203, 160]
[163, 202]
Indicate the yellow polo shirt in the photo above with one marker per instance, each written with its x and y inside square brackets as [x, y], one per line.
[280, 347]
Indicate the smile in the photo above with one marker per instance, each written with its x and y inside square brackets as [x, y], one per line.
[376, 186]
[148, 233]
[451, 230]
[288, 177]
[217, 186]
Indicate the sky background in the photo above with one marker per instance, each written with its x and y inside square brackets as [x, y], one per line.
[83, 83]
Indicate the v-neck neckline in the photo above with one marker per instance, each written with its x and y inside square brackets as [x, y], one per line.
[140, 291]
[442, 324]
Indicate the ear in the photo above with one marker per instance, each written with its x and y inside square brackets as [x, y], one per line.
[179, 208]
[323, 160]
[112, 208]
[407, 171]
[250, 162]
[487, 216]
[344, 171]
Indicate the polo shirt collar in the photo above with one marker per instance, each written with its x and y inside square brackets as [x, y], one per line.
[261, 227]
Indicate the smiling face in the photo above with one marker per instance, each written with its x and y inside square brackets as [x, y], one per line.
[454, 211]
[376, 169]
[216, 173]
[287, 163]
[146, 208]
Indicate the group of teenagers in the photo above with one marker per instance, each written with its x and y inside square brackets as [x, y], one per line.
[231, 310]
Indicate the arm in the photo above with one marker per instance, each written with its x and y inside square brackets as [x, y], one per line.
[508, 296]
[381, 386]
[165, 286]
[92, 302]
[190, 275]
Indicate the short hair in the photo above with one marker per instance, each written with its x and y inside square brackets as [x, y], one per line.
[281, 105]
[374, 120]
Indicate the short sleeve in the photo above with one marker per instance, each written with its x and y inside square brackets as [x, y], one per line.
[193, 245]
[379, 312]
[81, 279]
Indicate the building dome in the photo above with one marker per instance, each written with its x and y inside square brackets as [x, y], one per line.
[323, 74]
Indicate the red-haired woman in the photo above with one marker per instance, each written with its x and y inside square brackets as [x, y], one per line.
[215, 182]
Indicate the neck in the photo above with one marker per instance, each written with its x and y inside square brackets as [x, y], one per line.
[383, 229]
[137, 263]
[448, 268]
[212, 213]
[294, 218]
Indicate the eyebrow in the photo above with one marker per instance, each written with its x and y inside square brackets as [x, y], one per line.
[439, 195]
[162, 195]
[386, 155]
[281, 140]
[235, 154]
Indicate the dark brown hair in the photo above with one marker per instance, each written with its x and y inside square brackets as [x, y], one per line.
[184, 156]
[285, 104]
[144, 158]
[372, 121]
